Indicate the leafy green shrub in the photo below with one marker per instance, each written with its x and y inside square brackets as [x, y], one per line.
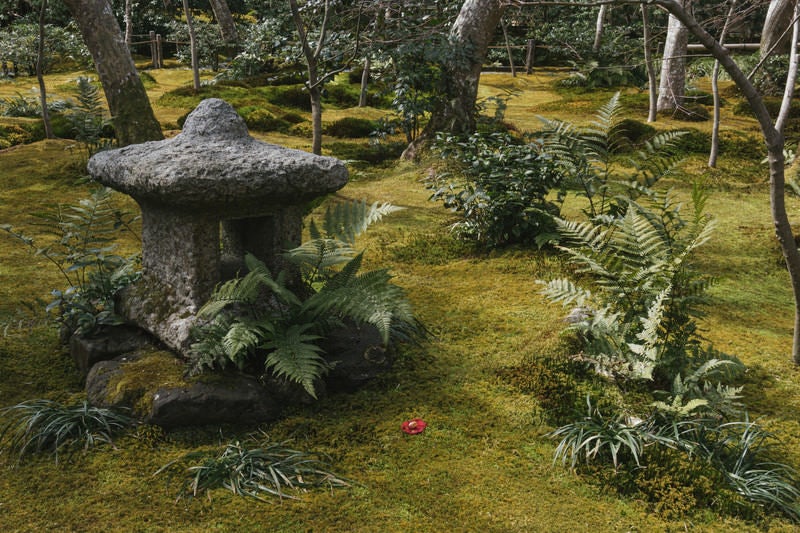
[499, 187]
[369, 152]
[262, 120]
[291, 96]
[266, 470]
[341, 94]
[694, 141]
[81, 248]
[351, 127]
[43, 425]
[293, 118]
[259, 319]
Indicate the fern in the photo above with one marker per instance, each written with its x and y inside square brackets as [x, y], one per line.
[585, 156]
[258, 318]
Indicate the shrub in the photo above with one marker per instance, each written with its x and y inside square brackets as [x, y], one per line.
[694, 141]
[291, 96]
[630, 133]
[341, 94]
[499, 187]
[351, 127]
[691, 113]
[262, 120]
[293, 118]
[368, 152]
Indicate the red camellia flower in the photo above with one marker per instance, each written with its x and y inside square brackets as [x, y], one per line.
[414, 426]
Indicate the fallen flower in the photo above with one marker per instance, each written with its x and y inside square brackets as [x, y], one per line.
[414, 426]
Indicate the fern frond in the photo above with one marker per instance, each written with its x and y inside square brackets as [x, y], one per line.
[294, 355]
[346, 220]
[565, 292]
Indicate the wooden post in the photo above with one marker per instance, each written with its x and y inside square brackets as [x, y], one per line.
[159, 51]
[153, 56]
[529, 56]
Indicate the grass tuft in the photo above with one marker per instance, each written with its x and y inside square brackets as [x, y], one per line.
[46, 426]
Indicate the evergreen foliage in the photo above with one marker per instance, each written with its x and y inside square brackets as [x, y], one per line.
[499, 186]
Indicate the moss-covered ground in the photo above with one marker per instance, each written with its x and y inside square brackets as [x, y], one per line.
[483, 463]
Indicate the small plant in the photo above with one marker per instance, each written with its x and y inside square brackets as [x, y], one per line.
[47, 426]
[594, 435]
[584, 157]
[499, 186]
[21, 106]
[638, 323]
[736, 450]
[81, 248]
[87, 118]
[261, 319]
[271, 469]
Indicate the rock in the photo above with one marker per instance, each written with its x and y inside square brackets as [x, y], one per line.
[358, 355]
[151, 383]
[107, 344]
[230, 398]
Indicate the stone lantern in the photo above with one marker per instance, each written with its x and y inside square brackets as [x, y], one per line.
[208, 196]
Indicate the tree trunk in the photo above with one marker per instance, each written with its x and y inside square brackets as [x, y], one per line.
[316, 119]
[651, 69]
[48, 128]
[508, 49]
[470, 36]
[672, 85]
[133, 118]
[314, 81]
[714, 152]
[598, 30]
[775, 32]
[362, 96]
[225, 20]
[192, 47]
[128, 23]
[775, 141]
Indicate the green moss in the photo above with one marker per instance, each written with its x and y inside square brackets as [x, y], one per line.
[142, 377]
[482, 464]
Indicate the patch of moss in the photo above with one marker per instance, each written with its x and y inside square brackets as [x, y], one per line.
[147, 372]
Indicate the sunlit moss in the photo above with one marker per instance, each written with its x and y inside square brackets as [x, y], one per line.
[482, 464]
